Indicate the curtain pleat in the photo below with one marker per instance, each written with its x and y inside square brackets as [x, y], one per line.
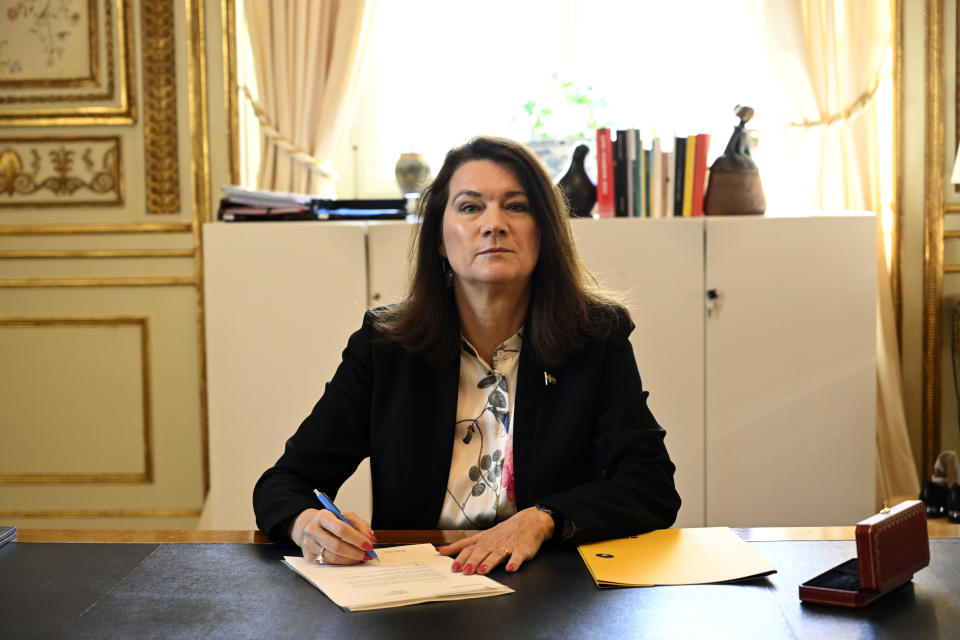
[309, 60]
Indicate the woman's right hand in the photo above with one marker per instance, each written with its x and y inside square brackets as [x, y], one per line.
[325, 539]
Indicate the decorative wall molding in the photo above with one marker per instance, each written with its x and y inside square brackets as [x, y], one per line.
[57, 46]
[93, 229]
[200, 170]
[160, 107]
[933, 206]
[53, 254]
[142, 477]
[60, 172]
[102, 94]
[46, 283]
[100, 513]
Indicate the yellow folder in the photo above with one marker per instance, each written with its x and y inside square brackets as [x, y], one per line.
[672, 557]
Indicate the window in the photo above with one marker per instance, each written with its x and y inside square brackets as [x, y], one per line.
[442, 71]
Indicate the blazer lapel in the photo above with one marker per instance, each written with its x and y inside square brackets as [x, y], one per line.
[531, 395]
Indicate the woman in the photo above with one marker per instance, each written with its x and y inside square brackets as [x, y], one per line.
[502, 394]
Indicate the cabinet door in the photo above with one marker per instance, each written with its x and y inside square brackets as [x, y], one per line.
[281, 301]
[657, 265]
[388, 257]
[791, 371]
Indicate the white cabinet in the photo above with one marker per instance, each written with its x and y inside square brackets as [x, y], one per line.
[768, 403]
[791, 371]
[657, 266]
[280, 302]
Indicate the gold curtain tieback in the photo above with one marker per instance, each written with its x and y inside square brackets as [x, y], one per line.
[296, 154]
[857, 105]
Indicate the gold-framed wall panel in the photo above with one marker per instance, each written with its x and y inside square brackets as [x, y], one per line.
[14, 180]
[118, 105]
[92, 79]
[176, 469]
[113, 500]
[53, 245]
[142, 477]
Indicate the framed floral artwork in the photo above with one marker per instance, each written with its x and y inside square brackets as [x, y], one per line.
[65, 62]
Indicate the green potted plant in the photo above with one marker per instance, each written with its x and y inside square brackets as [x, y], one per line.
[566, 114]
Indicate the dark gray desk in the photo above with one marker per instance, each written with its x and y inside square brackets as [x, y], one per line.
[82, 590]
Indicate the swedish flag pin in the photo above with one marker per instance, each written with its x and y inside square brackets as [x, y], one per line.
[548, 379]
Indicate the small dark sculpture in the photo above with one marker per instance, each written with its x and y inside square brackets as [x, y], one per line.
[580, 192]
[734, 186]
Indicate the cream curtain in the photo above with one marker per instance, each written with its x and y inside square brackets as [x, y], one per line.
[309, 57]
[827, 56]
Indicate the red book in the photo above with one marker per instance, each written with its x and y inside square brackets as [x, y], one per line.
[699, 173]
[605, 198]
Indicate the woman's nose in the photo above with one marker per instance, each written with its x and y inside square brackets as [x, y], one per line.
[495, 222]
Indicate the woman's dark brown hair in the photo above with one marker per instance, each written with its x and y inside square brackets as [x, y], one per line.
[567, 307]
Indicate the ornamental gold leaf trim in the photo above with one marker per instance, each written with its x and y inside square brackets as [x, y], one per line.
[62, 169]
[162, 171]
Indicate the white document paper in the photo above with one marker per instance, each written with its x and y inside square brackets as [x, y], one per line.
[407, 574]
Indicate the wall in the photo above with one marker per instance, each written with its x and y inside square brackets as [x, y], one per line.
[911, 196]
[106, 168]
[950, 294]
[929, 215]
[102, 388]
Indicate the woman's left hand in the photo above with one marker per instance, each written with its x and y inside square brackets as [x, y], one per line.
[514, 541]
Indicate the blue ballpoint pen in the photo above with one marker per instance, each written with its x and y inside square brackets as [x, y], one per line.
[332, 508]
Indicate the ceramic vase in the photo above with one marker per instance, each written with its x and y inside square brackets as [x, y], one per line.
[413, 173]
[576, 185]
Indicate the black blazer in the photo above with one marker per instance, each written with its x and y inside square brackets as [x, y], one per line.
[585, 443]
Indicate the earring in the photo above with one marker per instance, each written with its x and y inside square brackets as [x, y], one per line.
[447, 271]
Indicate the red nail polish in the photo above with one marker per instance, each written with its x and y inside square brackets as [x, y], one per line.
[468, 568]
[373, 537]
[455, 567]
[367, 546]
[482, 568]
[511, 567]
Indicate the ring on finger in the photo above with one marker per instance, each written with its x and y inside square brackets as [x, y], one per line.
[505, 550]
[320, 557]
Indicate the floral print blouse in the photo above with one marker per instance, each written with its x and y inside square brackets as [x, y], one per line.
[480, 490]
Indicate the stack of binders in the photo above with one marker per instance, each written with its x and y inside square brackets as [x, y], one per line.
[246, 205]
[360, 209]
[251, 205]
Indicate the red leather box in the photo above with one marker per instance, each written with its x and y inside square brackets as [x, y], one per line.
[891, 547]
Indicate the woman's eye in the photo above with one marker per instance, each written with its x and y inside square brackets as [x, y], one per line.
[518, 206]
[469, 207]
